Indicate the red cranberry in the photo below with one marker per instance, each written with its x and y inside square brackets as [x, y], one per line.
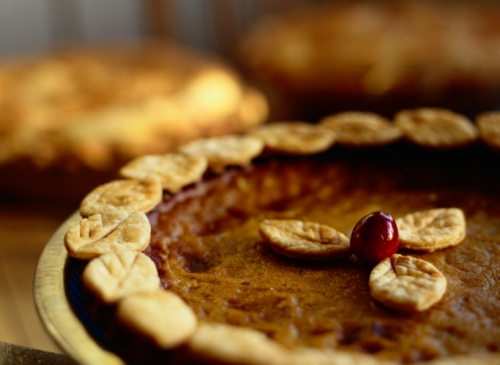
[375, 237]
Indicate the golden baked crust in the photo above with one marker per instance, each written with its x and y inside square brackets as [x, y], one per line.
[435, 127]
[362, 129]
[407, 283]
[307, 240]
[489, 127]
[432, 230]
[229, 344]
[83, 109]
[379, 56]
[119, 274]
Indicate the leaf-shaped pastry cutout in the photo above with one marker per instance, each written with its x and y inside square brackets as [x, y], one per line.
[489, 128]
[407, 283]
[295, 137]
[175, 170]
[118, 274]
[161, 316]
[432, 229]
[232, 150]
[362, 129]
[434, 127]
[127, 195]
[111, 232]
[308, 240]
[236, 345]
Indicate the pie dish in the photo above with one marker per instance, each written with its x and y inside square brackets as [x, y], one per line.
[79, 112]
[226, 297]
[378, 56]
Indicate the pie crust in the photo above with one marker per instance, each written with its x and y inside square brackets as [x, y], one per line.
[80, 112]
[224, 343]
[378, 56]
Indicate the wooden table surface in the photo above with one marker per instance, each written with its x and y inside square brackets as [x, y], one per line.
[25, 228]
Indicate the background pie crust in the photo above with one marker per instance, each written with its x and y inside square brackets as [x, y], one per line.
[378, 56]
[80, 112]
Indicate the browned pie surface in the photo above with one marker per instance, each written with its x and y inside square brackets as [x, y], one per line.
[206, 244]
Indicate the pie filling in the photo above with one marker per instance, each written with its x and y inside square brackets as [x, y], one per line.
[206, 245]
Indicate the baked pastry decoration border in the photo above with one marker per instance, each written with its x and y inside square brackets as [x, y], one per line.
[114, 228]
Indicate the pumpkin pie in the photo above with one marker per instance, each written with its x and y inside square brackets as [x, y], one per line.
[76, 114]
[192, 275]
[376, 55]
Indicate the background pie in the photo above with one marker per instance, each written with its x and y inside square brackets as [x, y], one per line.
[78, 113]
[377, 55]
